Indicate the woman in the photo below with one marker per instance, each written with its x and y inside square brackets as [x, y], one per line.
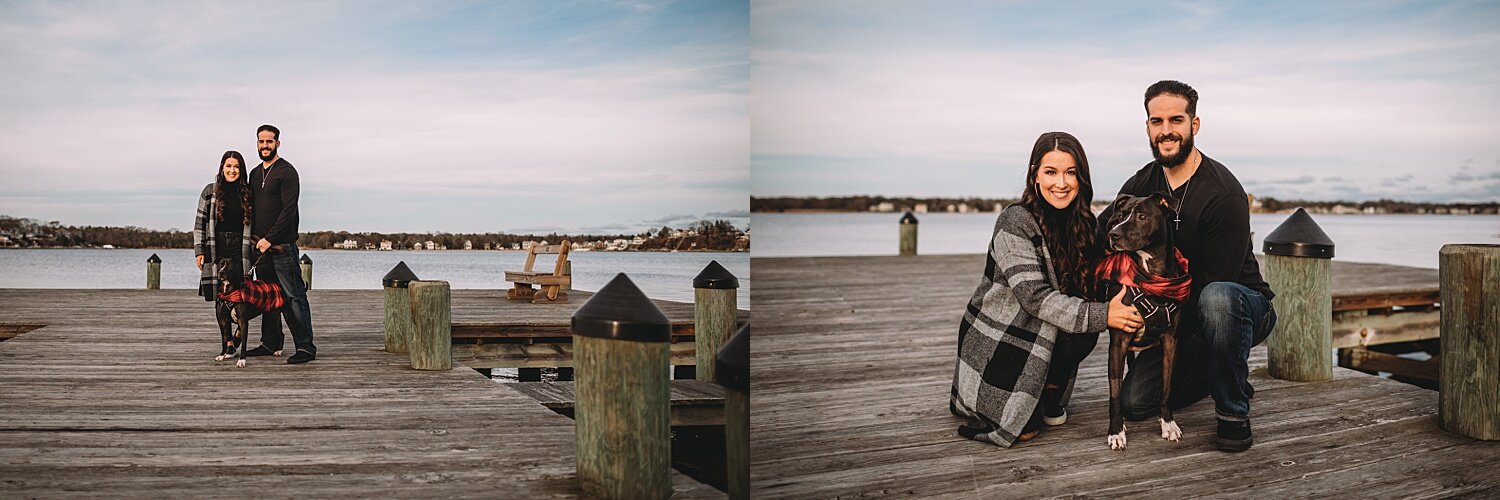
[222, 229]
[1026, 329]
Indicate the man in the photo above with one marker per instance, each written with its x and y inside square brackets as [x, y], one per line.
[1229, 310]
[276, 187]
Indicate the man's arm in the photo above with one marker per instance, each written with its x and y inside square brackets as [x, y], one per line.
[290, 186]
[1225, 232]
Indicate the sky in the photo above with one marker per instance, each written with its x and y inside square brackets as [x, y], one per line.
[1301, 100]
[524, 116]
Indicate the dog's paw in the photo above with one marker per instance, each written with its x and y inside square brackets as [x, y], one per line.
[239, 363]
[277, 353]
[221, 357]
[1170, 431]
[1117, 441]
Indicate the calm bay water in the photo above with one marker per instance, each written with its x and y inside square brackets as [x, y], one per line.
[662, 275]
[1407, 240]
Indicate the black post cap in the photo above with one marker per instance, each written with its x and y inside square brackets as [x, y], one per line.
[621, 311]
[716, 277]
[306, 259]
[399, 277]
[1299, 236]
[908, 218]
[732, 362]
[154, 259]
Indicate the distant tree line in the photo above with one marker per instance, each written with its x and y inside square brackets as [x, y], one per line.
[704, 235]
[939, 204]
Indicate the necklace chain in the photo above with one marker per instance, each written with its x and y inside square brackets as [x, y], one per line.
[1177, 219]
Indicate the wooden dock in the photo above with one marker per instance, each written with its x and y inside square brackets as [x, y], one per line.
[118, 395]
[850, 371]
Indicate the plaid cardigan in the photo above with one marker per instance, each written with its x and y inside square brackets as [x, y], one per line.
[205, 233]
[1006, 338]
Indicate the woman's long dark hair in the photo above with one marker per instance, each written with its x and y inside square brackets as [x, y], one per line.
[244, 184]
[1074, 253]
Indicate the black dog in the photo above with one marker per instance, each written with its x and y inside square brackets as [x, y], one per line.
[234, 308]
[1146, 263]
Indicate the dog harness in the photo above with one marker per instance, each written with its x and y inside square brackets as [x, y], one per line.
[263, 296]
[1156, 297]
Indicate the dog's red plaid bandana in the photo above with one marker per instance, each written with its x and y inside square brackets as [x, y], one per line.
[1121, 268]
[263, 296]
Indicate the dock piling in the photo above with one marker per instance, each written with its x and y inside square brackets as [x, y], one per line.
[153, 272]
[1298, 268]
[733, 372]
[1469, 374]
[307, 272]
[398, 308]
[908, 235]
[623, 401]
[431, 344]
[715, 291]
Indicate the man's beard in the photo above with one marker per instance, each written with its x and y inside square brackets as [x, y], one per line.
[1184, 148]
[267, 156]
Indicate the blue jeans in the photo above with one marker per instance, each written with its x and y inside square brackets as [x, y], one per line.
[283, 268]
[1215, 362]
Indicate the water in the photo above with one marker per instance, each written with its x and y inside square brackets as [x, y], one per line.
[662, 275]
[1407, 240]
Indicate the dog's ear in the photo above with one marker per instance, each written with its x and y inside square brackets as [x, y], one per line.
[1165, 199]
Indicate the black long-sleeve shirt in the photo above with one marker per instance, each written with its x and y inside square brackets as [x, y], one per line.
[1215, 232]
[276, 190]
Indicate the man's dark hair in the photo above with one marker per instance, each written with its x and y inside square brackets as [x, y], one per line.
[1176, 88]
[276, 132]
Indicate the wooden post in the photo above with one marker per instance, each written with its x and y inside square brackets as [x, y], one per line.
[734, 374]
[398, 308]
[715, 291]
[908, 235]
[432, 326]
[153, 272]
[622, 393]
[307, 272]
[1469, 375]
[568, 271]
[1299, 271]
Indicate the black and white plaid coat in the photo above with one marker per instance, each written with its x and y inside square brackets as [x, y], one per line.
[1007, 335]
[205, 233]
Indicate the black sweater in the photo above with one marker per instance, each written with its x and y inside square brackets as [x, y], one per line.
[276, 190]
[234, 212]
[1215, 233]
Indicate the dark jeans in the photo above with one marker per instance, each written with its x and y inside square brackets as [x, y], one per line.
[1234, 318]
[284, 269]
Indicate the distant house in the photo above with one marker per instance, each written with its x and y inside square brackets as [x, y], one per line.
[385, 244]
[347, 245]
[921, 208]
[416, 246]
[468, 245]
[431, 246]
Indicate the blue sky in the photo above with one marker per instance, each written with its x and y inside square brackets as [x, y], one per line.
[594, 116]
[1312, 100]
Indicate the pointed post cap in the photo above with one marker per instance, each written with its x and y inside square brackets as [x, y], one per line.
[715, 276]
[153, 259]
[908, 219]
[306, 259]
[399, 277]
[621, 311]
[1299, 236]
[733, 361]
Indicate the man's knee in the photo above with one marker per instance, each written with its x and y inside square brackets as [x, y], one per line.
[1220, 298]
[1137, 403]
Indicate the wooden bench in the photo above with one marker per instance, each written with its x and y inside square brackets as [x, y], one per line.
[551, 283]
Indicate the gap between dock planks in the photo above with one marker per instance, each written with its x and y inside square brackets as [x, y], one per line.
[119, 394]
[851, 367]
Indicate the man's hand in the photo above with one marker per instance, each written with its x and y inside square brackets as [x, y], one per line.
[262, 245]
[200, 262]
[1123, 317]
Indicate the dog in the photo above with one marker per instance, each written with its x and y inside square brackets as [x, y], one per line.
[239, 300]
[1145, 262]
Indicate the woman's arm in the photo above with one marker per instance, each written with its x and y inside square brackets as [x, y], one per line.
[1018, 264]
[200, 224]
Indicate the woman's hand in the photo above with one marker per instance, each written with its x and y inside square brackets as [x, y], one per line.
[1123, 317]
[200, 262]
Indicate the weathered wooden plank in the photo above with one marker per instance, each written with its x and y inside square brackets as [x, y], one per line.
[850, 385]
[1352, 330]
[1359, 358]
[119, 395]
[694, 402]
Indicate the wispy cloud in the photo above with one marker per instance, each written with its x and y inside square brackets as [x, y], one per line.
[399, 117]
[925, 99]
